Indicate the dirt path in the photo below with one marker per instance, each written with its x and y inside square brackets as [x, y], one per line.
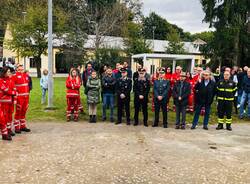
[107, 154]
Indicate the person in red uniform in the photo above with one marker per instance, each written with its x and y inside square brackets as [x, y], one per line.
[7, 92]
[73, 84]
[21, 81]
[168, 76]
[192, 83]
[176, 76]
[154, 77]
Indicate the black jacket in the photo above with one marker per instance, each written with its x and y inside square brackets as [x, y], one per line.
[226, 90]
[124, 86]
[108, 85]
[186, 91]
[204, 95]
[141, 87]
[246, 84]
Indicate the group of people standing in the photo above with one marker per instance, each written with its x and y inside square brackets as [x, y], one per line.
[192, 92]
[15, 88]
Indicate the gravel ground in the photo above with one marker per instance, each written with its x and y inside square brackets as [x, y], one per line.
[107, 154]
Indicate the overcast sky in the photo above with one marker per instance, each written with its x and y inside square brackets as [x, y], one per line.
[187, 14]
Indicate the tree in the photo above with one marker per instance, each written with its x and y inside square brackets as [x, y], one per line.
[231, 40]
[135, 41]
[29, 36]
[162, 28]
[175, 46]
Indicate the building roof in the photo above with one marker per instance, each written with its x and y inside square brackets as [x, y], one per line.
[158, 46]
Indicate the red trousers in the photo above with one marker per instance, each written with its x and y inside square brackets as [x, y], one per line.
[191, 103]
[21, 110]
[80, 107]
[3, 126]
[7, 109]
[72, 106]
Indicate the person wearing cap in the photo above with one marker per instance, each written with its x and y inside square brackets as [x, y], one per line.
[205, 90]
[181, 92]
[21, 81]
[161, 90]
[141, 90]
[123, 90]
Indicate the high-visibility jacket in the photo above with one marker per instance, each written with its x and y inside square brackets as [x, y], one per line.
[6, 91]
[21, 81]
[226, 90]
[73, 85]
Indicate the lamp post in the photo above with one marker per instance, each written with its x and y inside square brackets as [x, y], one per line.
[154, 27]
[24, 58]
[50, 57]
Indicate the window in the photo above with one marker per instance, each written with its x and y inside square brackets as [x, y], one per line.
[33, 63]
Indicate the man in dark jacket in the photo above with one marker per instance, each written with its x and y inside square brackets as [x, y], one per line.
[141, 91]
[123, 89]
[205, 90]
[181, 92]
[108, 91]
[245, 94]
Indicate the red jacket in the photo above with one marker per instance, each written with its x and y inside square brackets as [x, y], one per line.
[73, 85]
[21, 81]
[7, 90]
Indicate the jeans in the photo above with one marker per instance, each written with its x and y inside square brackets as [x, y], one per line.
[240, 92]
[180, 111]
[245, 96]
[108, 100]
[44, 95]
[197, 114]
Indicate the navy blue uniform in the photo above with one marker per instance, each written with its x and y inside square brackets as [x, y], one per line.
[161, 88]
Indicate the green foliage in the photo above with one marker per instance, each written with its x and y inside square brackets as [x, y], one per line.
[109, 56]
[231, 40]
[135, 41]
[175, 46]
[29, 34]
[206, 36]
[162, 28]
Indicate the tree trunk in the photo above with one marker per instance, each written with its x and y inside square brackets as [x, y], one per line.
[236, 49]
[38, 65]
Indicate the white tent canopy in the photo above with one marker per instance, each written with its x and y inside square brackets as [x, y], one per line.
[173, 57]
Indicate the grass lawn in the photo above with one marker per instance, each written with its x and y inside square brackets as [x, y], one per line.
[37, 111]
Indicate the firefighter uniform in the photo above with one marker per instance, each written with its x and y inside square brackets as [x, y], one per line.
[225, 95]
[73, 94]
[161, 88]
[141, 88]
[6, 95]
[123, 86]
[21, 81]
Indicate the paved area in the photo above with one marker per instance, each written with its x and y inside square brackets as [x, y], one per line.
[107, 154]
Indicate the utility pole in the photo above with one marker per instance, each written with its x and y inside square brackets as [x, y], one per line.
[50, 57]
[24, 58]
[154, 27]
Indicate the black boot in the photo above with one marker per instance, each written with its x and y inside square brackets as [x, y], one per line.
[18, 131]
[25, 129]
[90, 118]
[155, 124]
[219, 127]
[136, 123]
[94, 119]
[146, 124]
[11, 133]
[7, 137]
[229, 128]
[165, 125]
